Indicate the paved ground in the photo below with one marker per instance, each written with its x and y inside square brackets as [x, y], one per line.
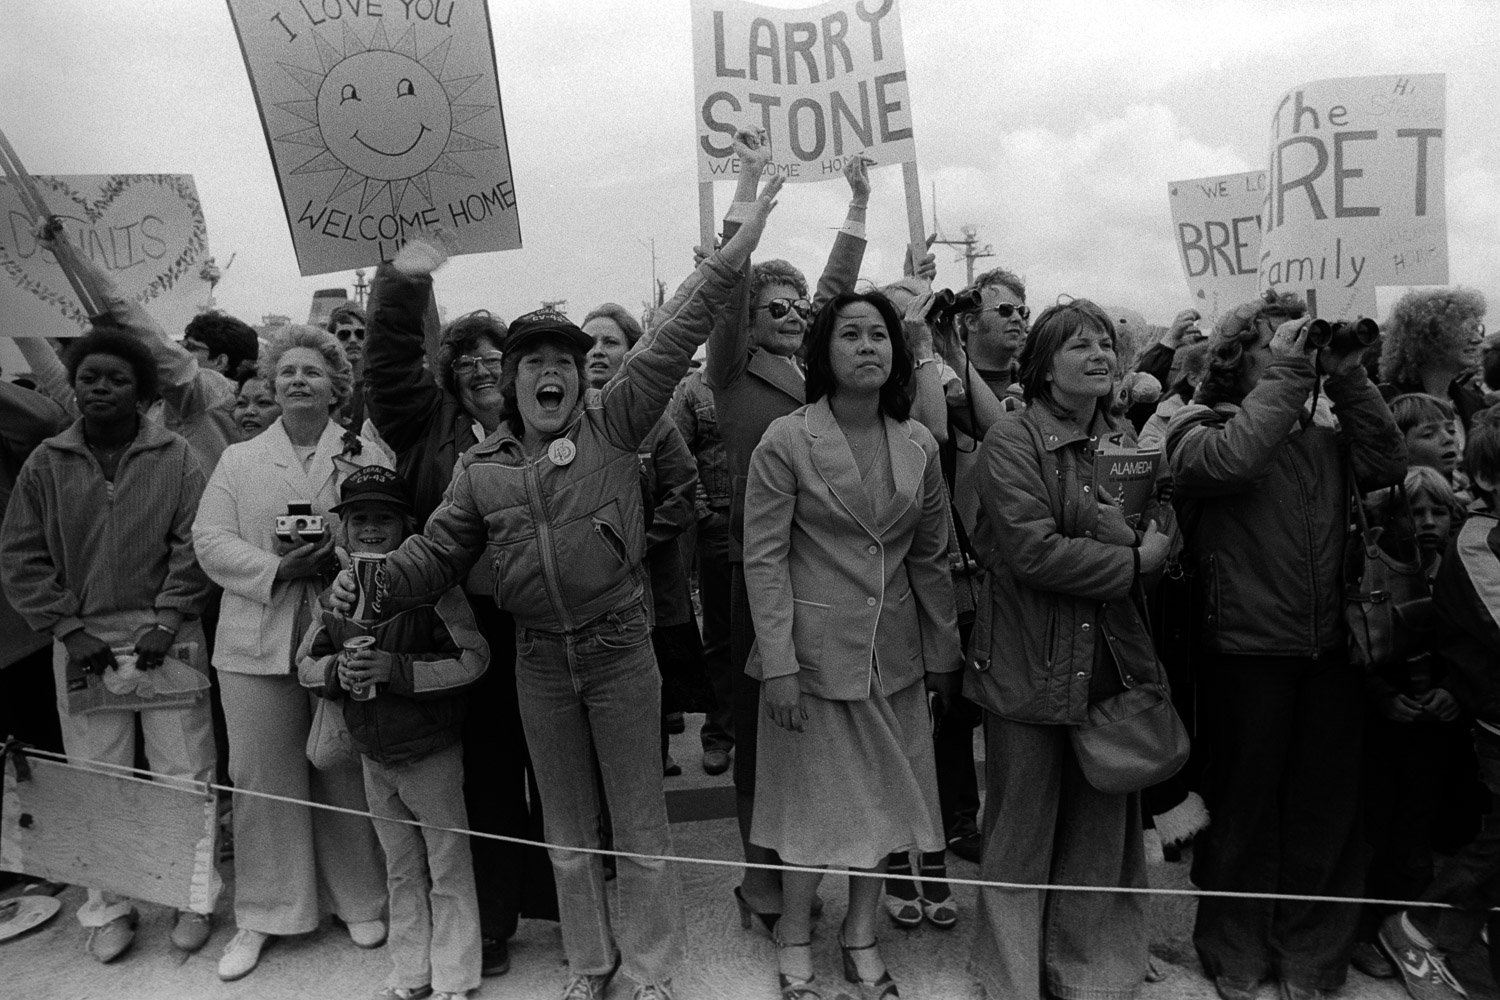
[724, 961]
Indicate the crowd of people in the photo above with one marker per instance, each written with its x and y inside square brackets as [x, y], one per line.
[887, 501]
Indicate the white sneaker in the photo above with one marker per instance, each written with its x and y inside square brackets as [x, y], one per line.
[367, 933]
[242, 955]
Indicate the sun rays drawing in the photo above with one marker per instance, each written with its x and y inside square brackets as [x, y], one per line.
[382, 116]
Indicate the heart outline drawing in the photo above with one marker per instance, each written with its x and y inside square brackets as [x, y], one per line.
[94, 210]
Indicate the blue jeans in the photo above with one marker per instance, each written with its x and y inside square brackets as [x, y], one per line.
[595, 692]
[1044, 823]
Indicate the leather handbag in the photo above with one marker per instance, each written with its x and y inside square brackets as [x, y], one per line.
[1133, 739]
[1376, 584]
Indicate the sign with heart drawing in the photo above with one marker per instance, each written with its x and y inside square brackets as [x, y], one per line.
[146, 230]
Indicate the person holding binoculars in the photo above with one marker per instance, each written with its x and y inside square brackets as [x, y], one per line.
[1262, 474]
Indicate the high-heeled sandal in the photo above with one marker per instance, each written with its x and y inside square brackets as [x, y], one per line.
[942, 914]
[883, 988]
[795, 989]
[767, 920]
[905, 913]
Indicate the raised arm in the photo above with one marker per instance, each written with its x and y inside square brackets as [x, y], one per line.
[636, 398]
[1209, 455]
[729, 342]
[47, 368]
[401, 395]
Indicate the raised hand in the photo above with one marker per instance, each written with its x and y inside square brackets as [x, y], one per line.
[1184, 329]
[858, 176]
[753, 147]
[738, 249]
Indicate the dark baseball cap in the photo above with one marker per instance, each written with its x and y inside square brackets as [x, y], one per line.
[545, 324]
[373, 482]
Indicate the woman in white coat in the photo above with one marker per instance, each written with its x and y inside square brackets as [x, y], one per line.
[284, 854]
[846, 565]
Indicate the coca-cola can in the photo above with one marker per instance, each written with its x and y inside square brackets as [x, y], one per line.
[360, 692]
[368, 569]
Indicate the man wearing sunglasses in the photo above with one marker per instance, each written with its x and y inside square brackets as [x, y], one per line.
[347, 323]
[995, 331]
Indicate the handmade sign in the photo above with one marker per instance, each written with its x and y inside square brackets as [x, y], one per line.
[826, 83]
[146, 230]
[1216, 225]
[102, 829]
[1354, 191]
[383, 119]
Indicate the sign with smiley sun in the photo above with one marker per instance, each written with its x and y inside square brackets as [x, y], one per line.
[383, 118]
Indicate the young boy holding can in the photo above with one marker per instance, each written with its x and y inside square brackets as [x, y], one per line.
[407, 732]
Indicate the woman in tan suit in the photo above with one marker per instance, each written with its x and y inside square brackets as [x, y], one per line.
[846, 566]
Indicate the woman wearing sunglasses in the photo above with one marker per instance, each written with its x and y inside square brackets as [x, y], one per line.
[755, 376]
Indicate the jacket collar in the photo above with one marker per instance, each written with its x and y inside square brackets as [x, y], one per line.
[151, 435]
[834, 460]
[778, 372]
[281, 453]
[1056, 433]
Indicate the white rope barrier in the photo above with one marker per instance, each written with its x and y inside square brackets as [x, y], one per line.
[208, 788]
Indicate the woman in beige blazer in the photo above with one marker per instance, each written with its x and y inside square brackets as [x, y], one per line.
[846, 540]
[286, 857]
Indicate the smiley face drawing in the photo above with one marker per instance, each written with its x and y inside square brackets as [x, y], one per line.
[383, 116]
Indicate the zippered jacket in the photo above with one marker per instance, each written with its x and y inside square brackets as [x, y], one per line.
[1060, 573]
[565, 541]
[1264, 505]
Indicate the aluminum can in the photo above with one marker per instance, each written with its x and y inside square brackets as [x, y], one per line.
[360, 692]
[368, 569]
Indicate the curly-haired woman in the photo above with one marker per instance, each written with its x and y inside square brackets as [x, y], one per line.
[1432, 338]
[1261, 478]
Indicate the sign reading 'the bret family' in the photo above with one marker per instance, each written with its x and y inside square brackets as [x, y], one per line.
[825, 83]
[383, 119]
[1354, 191]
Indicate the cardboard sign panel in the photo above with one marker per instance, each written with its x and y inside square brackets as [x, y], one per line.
[146, 230]
[1216, 226]
[141, 839]
[1354, 191]
[383, 119]
[826, 83]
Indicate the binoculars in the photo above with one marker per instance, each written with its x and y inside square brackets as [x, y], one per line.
[1342, 337]
[947, 304]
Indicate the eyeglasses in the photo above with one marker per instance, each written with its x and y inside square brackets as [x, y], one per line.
[1005, 310]
[358, 333]
[778, 308]
[468, 363]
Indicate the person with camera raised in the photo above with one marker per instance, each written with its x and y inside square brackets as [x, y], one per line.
[1261, 476]
[289, 861]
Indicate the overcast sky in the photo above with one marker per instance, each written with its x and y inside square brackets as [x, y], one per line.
[1051, 127]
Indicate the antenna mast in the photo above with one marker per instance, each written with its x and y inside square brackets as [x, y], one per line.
[971, 250]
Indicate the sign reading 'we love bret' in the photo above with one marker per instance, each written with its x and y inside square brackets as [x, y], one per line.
[146, 230]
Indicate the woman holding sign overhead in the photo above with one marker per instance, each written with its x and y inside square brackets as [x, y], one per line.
[1054, 633]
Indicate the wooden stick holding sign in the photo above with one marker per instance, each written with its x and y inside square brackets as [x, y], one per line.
[42, 218]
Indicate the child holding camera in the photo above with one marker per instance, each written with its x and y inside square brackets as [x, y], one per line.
[1467, 599]
[406, 729]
